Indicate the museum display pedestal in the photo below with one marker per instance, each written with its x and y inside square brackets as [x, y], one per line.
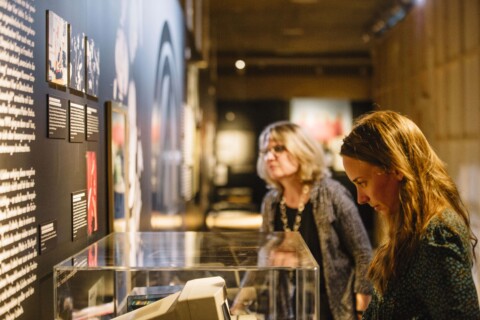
[275, 273]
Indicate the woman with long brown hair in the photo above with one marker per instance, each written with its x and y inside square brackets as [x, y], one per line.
[423, 270]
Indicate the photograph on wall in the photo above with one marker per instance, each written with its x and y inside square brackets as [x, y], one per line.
[166, 130]
[118, 165]
[92, 213]
[328, 120]
[77, 59]
[93, 67]
[57, 45]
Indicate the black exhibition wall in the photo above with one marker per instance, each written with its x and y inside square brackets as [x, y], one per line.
[55, 86]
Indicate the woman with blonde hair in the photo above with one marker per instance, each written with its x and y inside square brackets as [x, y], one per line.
[423, 270]
[304, 198]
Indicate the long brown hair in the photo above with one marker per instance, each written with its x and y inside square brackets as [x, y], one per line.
[393, 142]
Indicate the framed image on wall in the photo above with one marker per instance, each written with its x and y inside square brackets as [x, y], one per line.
[93, 67]
[77, 59]
[117, 128]
[327, 120]
[57, 49]
[92, 185]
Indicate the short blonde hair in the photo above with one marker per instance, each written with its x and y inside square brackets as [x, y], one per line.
[300, 145]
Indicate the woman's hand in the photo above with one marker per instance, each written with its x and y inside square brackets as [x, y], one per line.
[245, 297]
[283, 258]
[361, 303]
[284, 255]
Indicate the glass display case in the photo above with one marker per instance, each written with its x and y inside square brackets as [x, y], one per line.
[271, 276]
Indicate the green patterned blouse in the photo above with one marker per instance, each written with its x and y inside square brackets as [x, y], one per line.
[438, 283]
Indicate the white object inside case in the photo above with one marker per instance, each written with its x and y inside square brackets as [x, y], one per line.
[200, 299]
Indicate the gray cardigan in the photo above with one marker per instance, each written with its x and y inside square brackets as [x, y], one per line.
[346, 249]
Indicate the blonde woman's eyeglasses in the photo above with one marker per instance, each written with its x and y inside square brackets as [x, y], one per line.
[275, 150]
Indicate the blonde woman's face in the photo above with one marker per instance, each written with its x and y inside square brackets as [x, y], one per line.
[376, 187]
[279, 163]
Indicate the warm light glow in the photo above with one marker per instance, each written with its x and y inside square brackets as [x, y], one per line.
[240, 64]
[235, 147]
[366, 38]
[234, 219]
[230, 116]
[165, 222]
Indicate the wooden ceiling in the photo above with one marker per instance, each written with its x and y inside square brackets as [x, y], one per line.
[294, 36]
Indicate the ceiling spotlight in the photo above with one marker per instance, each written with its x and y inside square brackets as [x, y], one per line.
[240, 64]
[392, 16]
[230, 116]
[366, 38]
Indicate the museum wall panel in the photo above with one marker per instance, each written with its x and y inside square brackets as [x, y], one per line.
[61, 63]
